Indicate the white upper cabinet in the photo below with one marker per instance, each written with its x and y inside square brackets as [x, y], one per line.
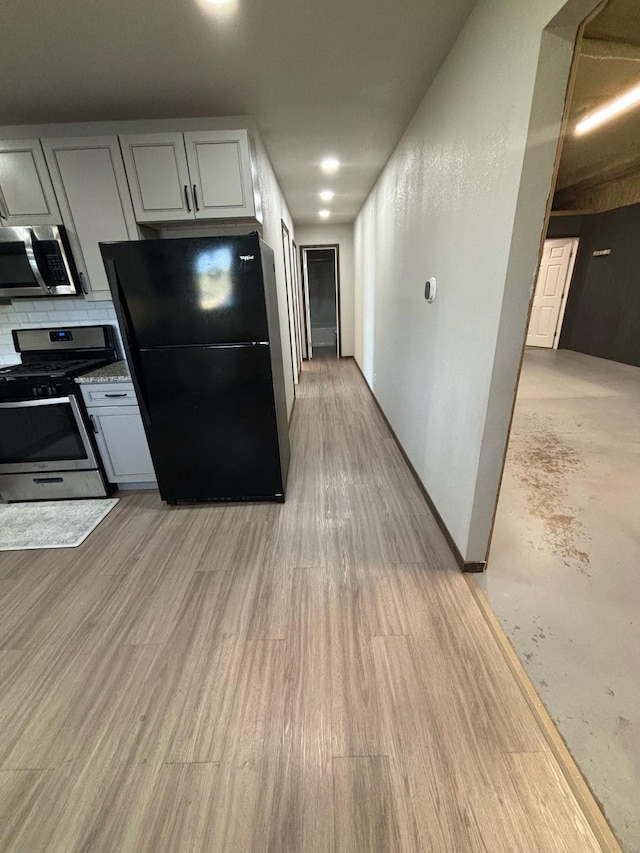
[195, 175]
[91, 187]
[26, 193]
[156, 165]
[220, 170]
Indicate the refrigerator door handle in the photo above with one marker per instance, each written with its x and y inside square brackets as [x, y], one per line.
[129, 338]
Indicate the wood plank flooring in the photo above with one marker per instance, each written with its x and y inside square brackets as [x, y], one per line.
[313, 676]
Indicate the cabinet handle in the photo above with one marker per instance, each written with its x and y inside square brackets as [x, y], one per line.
[39, 480]
[195, 198]
[83, 286]
[116, 394]
[186, 197]
[4, 214]
[94, 426]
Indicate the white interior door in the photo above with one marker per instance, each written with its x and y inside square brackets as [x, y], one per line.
[551, 291]
[296, 303]
[288, 271]
[286, 257]
[305, 285]
[295, 262]
[337, 279]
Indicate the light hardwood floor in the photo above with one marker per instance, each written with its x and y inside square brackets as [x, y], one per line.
[313, 676]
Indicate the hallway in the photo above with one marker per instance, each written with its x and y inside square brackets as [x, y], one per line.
[562, 575]
[313, 676]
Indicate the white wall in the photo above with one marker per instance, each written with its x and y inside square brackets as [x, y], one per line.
[342, 235]
[463, 198]
[274, 209]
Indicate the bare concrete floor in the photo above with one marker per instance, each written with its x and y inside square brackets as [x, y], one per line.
[563, 574]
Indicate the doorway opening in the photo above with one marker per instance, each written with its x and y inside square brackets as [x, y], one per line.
[321, 288]
[562, 567]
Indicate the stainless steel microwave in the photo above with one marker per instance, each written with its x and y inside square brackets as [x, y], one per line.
[37, 261]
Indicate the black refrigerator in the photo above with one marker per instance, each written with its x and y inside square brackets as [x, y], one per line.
[199, 318]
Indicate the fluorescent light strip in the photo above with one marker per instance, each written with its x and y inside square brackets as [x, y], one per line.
[624, 102]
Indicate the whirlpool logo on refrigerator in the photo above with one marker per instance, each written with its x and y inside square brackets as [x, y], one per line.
[247, 257]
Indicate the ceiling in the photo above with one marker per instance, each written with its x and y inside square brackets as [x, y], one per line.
[337, 77]
[608, 65]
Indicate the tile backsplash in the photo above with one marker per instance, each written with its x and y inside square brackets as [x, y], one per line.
[29, 314]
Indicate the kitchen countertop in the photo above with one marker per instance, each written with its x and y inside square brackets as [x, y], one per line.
[117, 371]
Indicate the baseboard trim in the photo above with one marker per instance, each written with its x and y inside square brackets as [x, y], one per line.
[464, 566]
[570, 770]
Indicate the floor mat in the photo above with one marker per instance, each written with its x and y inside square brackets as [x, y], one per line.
[50, 524]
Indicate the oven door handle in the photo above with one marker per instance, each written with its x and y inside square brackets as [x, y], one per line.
[29, 239]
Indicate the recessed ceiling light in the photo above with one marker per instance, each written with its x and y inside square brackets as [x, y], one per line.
[326, 195]
[324, 214]
[330, 164]
[220, 10]
[614, 108]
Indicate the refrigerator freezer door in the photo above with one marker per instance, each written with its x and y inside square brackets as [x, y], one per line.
[212, 429]
[188, 292]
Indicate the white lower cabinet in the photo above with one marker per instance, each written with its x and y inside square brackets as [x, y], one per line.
[120, 437]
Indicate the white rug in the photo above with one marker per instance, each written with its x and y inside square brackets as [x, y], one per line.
[50, 524]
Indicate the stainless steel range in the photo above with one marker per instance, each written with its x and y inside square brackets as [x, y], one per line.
[46, 448]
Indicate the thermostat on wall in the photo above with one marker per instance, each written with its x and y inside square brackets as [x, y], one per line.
[430, 290]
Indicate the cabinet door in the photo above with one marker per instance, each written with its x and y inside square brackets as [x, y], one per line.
[122, 444]
[156, 166]
[220, 168]
[91, 186]
[26, 193]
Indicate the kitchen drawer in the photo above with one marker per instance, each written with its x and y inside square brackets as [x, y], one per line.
[108, 394]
